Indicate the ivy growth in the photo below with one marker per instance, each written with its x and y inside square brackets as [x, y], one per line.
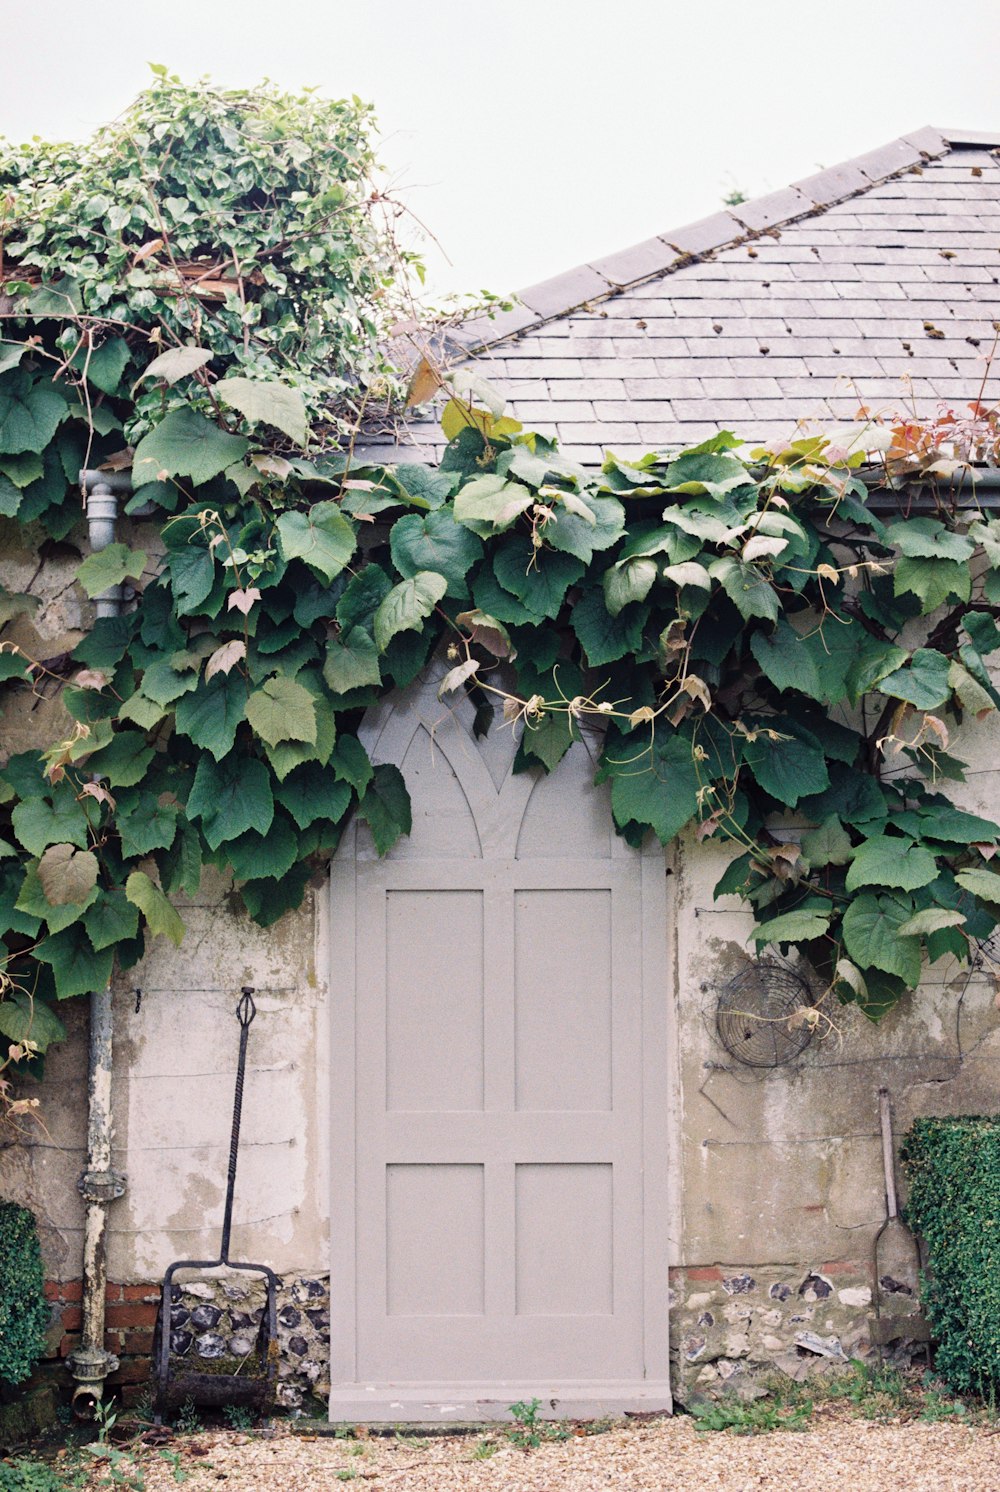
[773, 664]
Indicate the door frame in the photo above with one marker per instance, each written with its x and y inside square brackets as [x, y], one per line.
[357, 1401]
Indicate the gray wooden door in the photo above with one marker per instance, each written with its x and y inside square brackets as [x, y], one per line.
[499, 1194]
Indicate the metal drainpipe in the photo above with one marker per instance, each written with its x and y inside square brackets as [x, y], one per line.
[99, 1184]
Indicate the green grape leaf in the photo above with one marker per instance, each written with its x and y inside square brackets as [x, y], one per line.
[788, 769]
[407, 605]
[322, 538]
[76, 967]
[657, 786]
[230, 797]
[186, 444]
[350, 761]
[538, 578]
[25, 1019]
[266, 403]
[435, 542]
[746, 586]
[254, 856]
[109, 567]
[161, 917]
[630, 580]
[385, 807]
[352, 661]
[313, 792]
[828, 843]
[123, 762]
[786, 660]
[211, 715]
[603, 637]
[30, 414]
[923, 682]
[792, 927]
[111, 919]
[282, 710]
[890, 860]
[933, 581]
[872, 937]
[144, 824]
[39, 822]
[932, 920]
[982, 883]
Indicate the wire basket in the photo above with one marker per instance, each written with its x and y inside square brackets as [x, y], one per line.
[760, 1015]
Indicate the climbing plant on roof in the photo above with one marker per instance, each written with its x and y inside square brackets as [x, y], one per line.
[773, 664]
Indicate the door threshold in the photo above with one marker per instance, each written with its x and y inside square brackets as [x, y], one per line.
[449, 1404]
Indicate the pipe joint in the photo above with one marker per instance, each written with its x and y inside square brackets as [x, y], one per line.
[102, 1186]
[91, 1365]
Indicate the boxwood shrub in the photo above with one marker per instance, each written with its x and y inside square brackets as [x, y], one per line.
[953, 1167]
[24, 1314]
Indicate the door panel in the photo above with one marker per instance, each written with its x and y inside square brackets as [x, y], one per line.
[434, 1000]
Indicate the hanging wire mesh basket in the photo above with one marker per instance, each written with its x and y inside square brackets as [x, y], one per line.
[761, 1015]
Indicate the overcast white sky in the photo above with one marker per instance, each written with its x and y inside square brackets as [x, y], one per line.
[532, 135]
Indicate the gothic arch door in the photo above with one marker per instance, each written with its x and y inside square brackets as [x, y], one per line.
[500, 1091]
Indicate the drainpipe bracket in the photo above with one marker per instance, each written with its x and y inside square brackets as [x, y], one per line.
[91, 1365]
[102, 1186]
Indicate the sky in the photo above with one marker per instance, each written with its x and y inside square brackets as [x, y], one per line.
[534, 135]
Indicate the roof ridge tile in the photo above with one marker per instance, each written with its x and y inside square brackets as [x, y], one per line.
[608, 276]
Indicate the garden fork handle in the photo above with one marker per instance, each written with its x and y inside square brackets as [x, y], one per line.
[245, 1012]
[888, 1160]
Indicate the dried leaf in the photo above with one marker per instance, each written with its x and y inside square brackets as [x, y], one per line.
[68, 875]
[118, 461]
[272, 466]
[224, 658]
[698, 689]
[708, 826]
[90, 678]
[243, 600]
[456, 677]
[487, 632]
[101, 794]
[423, 385]
[148, 250]
[761, 547]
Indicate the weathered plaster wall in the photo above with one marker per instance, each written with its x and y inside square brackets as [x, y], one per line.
[785, 1163]
[175, 1062]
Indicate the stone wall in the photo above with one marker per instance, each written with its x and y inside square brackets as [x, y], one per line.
[737, 1330]
[209, 1319]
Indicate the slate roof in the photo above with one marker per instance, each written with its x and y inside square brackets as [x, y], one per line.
[875, 280]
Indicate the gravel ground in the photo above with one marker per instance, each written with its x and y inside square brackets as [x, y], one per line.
[837, 1454]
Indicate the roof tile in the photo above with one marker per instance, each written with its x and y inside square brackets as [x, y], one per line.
[551, 297]
[705, 235]
[649, 258]
[776, 207]
[877, 164]
[833, 184]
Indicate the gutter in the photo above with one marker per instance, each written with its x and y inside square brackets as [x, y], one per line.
[976, 487]
[99, 1184]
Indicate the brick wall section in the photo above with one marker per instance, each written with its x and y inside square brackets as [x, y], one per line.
[130, 1316]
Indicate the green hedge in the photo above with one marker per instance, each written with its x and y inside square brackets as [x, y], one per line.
[24, 1314]
[953, 1166]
